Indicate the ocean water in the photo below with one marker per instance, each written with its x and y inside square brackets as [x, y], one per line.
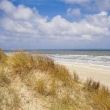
[99, 57]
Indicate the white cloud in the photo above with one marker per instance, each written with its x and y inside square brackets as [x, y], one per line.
[75, 1]
[7, 6]
[103, 4]
[25, 23]
[74, 12]
[98, 5]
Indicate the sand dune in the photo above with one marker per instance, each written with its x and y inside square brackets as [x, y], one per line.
[30, 82]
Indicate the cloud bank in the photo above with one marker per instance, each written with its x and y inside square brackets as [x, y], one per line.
[100, 5]
[21, 22]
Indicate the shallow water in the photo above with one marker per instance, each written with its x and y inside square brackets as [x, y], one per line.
[100, 57]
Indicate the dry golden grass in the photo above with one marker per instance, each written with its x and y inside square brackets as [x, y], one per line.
[76, 77]
[101, 99]
[40, 86]
[92, 85]
[21, 63]
[52, 81]
[3, 57]
[61, 73]
[98, 94]
[44, 63]
[53, 88]
[4, 80]
[65, 103]
[9, 100]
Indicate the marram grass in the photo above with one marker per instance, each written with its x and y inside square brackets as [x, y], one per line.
[50, 85]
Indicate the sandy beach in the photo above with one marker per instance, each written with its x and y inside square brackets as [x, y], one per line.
[87, 71]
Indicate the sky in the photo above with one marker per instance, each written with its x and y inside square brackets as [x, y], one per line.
[55, 24]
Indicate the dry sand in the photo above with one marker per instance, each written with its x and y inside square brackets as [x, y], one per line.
[87, 71]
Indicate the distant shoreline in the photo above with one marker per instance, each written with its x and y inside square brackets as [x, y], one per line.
[34, 50]
[101, 58]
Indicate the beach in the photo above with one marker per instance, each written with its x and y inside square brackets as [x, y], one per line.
[34, 81]
[54, 54]
[89, 71]
[94, 65]
[87, 64]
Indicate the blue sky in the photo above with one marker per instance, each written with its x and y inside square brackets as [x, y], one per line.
[55, 24]
[45, 7]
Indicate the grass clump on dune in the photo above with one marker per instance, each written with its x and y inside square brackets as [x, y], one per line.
[9, 100]
[44, 63]
[21, 62]
[101, 98]
[76, 77]
[8, 97]
[53, 88]
[40, 86]
[98, 94]
[4, 77]
[61, 73]
[3, 57]
[91, 85]
[4, 80]
[64, 103]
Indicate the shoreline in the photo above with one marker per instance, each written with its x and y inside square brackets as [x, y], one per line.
[100, 73]
[89, 71]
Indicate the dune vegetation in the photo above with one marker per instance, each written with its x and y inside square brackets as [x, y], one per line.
[36, 82]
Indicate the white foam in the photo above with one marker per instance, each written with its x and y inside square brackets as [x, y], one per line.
[100, 60]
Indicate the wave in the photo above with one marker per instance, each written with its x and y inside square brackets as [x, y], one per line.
[101, 60]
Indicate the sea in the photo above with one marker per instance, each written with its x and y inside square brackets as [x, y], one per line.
[99, 57]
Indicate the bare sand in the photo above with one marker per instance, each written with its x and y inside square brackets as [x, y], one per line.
[86, 71]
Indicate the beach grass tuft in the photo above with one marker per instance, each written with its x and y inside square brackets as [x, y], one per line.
[76, 77]
[40, 86]
[3, 57]
[92, 85]
[21, 62]
[9, 99]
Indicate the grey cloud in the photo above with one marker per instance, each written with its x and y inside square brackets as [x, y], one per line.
[98, 5]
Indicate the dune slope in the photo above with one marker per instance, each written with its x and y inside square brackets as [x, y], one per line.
[37, 83]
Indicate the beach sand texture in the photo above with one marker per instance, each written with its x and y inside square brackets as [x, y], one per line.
[87, 71]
